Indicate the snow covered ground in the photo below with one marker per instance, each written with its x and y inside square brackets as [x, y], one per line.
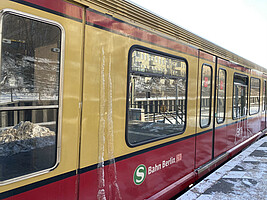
[242, 178]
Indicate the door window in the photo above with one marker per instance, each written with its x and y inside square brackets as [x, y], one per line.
[221, 94]
[240, 96]
[29, 95]
[205, 100]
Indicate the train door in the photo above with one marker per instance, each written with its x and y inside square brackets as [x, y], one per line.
[220, 119]
[264, 113]
[39, 117]
[205, 112]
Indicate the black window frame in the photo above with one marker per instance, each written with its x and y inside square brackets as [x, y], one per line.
[264, 95]
[224, 110]
[210, 103]
[129, 71]
[233, 99]
[258, 96]
[50, 108]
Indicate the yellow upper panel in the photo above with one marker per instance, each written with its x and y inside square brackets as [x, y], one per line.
[71, 91]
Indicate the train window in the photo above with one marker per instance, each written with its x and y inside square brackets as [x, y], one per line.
[264, 100]
[29, 96]
[205, 100]
[221, 94]
[254, 100]
[240, 96]
[157, 97]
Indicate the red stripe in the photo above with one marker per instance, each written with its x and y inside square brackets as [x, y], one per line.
[60, 6]
[207, 56]
[132, 31]
[65, 189]
[233, 65]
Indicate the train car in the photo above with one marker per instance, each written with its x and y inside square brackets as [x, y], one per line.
[105, 100]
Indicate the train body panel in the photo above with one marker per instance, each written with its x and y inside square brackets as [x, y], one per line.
[167, 164]
[205, 115]
[49, 189]
[131, 111]
[70, 116]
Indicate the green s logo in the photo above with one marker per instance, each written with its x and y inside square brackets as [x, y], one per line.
[139, 174]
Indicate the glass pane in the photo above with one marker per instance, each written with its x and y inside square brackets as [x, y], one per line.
[240, 96]
[27, 141]
[254, 105]
[205, 96]
[29, 75]
[30, 58]
[264, 96]
[167, 66]
[157, 97]
[221, 96]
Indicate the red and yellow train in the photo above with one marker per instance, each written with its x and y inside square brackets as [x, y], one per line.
[104, 100]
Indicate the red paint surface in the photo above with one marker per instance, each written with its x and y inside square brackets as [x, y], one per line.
[220, 141]
[263, 119]
[233, 65]
[172, 190]
[153, 183]
[129, 30]
[254, 125]
[203, 148]
[241, 131]
[60, 6]
[65, 189]
[206, 56]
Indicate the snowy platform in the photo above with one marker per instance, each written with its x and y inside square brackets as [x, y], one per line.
[242, 178]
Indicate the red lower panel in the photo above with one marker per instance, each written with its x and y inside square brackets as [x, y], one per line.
[203, 148]
[61, 190]
[164, 166]
[172, 190]
[166, 169]
[244, 129]
[263, 121]
[220, 140]
[254, 125]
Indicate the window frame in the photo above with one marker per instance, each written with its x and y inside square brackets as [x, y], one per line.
[210, 107]
[60, 91]
[129, 71]
[264, 96]
[237, 83]
[258, 96]
[224, 110]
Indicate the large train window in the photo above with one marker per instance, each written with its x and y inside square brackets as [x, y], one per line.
[29, 95]
[240, 94]
[205, 100]
[221, 94]
[156, 96]
[254, 99]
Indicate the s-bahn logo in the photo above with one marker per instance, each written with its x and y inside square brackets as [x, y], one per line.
[139, 174]
[141, 171]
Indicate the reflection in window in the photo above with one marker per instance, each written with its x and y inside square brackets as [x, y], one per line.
[205, 101]
[254, 100]
[157, 97]
[29, 95]
[221, 93]
[240, 96]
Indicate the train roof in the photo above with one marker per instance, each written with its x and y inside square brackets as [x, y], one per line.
[139, 16]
